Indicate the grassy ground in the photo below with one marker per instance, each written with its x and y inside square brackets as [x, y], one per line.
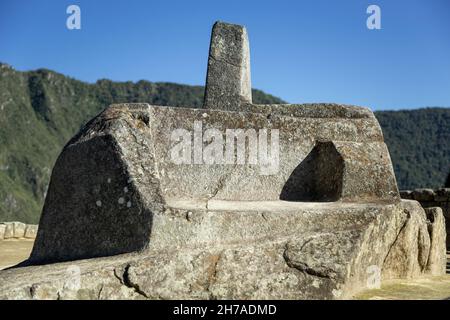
[14, 251]
[430, 288]
[418, 289]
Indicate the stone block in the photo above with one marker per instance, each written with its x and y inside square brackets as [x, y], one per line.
[19, 229]
[409, 253]
[436, 264]
[423, 194]
[316, 251]
[406, 194]
[228, 83]
[442, 195]
[123, 171]
[31, 231]
[2, 231]
[9, 230]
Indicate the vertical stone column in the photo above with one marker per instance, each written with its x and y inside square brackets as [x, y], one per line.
[228, 84]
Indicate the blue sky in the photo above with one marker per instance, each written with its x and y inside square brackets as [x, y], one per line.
[301, 51]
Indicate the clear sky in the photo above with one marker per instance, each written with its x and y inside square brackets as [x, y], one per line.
[301, 51]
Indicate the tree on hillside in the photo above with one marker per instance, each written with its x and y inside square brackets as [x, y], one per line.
[447, 182]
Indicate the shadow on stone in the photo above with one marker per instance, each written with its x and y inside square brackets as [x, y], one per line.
[318, 177]
[93, 209]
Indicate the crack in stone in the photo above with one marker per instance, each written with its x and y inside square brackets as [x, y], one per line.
[32, 291]
[127, 282]
[213, 277]
[408, 216]
[220, 185]
[303, 267]
[100, 292]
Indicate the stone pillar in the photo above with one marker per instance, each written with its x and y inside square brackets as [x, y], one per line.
[228, 80]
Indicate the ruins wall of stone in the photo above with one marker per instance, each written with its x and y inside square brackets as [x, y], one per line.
[349, 250]
[17, 230]
[429, 198]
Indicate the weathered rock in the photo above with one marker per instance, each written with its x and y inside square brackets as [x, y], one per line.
[409, 254]
[406, 194]
[228, 83]
[442, 195]
[423, 194]
[9, 230]
[129, 147]
[434, 198]
[31, 231]
[436, 228]
[327, 252]
[19, 229]
[2, 231]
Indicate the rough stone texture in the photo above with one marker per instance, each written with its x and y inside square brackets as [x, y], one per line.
[311, 110]
[429, 198]
[326, 251]
[442, 195]
[408, 256]
[228, 83]
[420, 245]
[2, 231]
[31, 231]
[423, 194]
[122, 173]
[436, 264]
[19, 229]
[406, 194]
[9, 230]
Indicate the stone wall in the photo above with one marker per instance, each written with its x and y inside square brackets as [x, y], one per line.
[17, 230]
[432, 198]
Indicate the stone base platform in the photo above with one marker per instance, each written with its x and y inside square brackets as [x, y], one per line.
[252, 250]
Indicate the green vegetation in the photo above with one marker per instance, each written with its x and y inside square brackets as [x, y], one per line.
[419, 144]
[447, 182]
[41, 110]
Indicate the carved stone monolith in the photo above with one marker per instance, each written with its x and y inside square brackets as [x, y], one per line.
[228, 81]
[231, 201]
